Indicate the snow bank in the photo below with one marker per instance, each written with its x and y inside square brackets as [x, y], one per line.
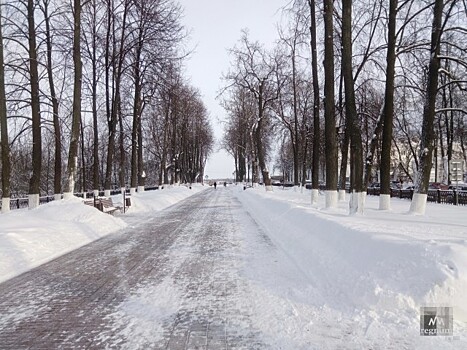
[365, 277]
[145, 202]
[29, 238]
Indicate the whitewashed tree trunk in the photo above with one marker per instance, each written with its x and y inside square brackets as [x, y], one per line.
[418, 204]
[341, 195]
[314, 196]
[57, 196]
[140, 189]
[106, 193]
[385, 202]
[67, 195]
[33, 200]
[96, 193]
[331, 199]
[357, 203]
[132, 190]
[5, 204]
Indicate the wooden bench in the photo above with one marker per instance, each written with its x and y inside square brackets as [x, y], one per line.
[104, 204]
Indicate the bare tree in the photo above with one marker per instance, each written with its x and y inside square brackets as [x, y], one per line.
[34, 185]
[418, 204]
[292, 44]
[241, 109]
[356, 154]
[329, 109]
[5, 146]
[316, 104]
[388, 111]
[157, 32]
[91, 43]
[255, 71]
[55, 104]
[114, 68]
[76, 114]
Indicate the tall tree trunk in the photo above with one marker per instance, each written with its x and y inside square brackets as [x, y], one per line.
[83, 161]
[119, 55]
[316, 103]
[121, 177]
[141, 172]
[259, 142]
[442, 151]
[76, 118]
[344, 162]
[55, 108]
[344, 144]
[388, 112]
[108, 100]
[5, 146]
[356, 149]
[329, 108]
[295, 138]
[173, 147]
[34, 185]
[95, 175]
[449, 122]
[372, 150]
[163, 178]
[304, 159]
[136, 175]
[418, 204]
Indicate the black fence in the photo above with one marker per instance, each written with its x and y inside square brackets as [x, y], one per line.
[455, 197]
[21, 203]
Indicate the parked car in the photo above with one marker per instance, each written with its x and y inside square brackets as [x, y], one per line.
[395, 185]
[459, 187]
[437, 186]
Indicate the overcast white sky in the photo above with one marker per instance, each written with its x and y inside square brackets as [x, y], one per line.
[215, 27]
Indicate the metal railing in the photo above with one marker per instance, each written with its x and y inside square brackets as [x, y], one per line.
[21, 203]
[455, 197]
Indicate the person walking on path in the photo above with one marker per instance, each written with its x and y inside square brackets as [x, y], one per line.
[215, 185]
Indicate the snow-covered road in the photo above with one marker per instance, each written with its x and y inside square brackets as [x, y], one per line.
[224, 269]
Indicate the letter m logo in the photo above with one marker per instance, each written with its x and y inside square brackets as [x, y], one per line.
[436, 321]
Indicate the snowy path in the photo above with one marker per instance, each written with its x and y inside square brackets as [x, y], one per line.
[173, 282]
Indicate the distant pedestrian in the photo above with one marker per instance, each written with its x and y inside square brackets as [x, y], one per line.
[225, 184]
[215, 185]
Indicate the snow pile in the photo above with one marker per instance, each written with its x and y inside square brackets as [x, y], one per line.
[29, 238]
[338, 278]
[149, 201]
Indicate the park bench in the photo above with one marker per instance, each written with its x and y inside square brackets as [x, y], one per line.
[104, 204]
